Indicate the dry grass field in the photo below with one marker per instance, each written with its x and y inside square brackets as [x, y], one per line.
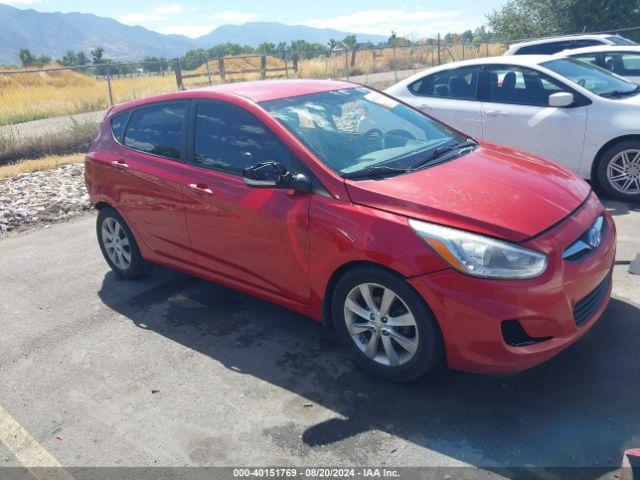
[38, 164]
[32, 96]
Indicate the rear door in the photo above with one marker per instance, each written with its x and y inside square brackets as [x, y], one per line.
[516, 113]
[149, 169]
[451, 97]
[258, 237]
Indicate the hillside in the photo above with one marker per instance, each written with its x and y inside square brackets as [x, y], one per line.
[52, 34]
[254, 33]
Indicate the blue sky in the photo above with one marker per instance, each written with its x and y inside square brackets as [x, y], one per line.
[413, 18]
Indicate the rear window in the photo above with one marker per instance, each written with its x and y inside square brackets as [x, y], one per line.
[554, 47]
[118, 122]
[157, 130]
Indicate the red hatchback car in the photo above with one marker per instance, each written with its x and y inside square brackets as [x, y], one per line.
[413, 241]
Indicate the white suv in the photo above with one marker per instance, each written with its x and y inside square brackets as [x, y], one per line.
[551, 45]
[562, 109]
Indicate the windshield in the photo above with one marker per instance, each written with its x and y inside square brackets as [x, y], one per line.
[593, 78]
[357, 128]
[616, 40]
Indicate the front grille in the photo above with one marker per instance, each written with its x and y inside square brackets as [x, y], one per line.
[586, 307]
[583, 246]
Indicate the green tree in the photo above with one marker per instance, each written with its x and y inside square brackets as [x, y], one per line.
[520, 19]
[81, 59]
[98, 56]
[26, 57]
[70, 59]
[350, 42]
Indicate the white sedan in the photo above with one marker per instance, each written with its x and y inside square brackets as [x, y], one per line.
[621, 60]
[562, 109]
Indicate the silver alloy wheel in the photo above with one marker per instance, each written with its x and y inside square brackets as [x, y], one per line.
[381, 324]
[116, 243]
[623, 172]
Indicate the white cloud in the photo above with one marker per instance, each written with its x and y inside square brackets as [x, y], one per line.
[21, 2]
[230, 16]
[382, 22]
[158, 13]
[192, 31]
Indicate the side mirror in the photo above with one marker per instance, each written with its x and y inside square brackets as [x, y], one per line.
[561, 99]
[275, 175]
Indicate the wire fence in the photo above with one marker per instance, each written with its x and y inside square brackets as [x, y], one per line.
[27, 95]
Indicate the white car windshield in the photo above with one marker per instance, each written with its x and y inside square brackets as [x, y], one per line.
[593, 78]
[357, 131]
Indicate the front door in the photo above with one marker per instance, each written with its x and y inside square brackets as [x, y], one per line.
[255, 236]
[516, 113]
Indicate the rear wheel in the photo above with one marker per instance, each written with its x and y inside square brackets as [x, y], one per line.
[618, 171]
[385, 324]
[118, 246]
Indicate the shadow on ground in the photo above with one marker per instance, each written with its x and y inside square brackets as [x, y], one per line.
[579, 409]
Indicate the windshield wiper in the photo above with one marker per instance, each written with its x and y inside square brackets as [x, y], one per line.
[378, 171]
[622, 93]
[439, 152]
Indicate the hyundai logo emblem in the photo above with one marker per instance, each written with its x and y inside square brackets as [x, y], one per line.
[594, 237]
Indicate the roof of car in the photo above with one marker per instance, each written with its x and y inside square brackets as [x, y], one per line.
[542, 41]
[263, 90]
[602, 48]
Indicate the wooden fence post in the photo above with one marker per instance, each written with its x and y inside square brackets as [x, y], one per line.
[109, 85]
[438, 49]
[206, 62]
[221, 70]
[178, 69]
[295, 64]
[263, 67]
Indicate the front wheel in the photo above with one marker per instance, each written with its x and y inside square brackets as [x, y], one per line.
[618, 171]
[385, 324]
[118, 246]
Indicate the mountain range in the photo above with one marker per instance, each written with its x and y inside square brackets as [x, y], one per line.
[52, 34]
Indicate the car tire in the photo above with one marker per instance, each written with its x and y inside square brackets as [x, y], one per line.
[612, 162]
[407, 342]
[119, 246]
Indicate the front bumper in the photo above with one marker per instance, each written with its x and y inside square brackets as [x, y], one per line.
[471, 310]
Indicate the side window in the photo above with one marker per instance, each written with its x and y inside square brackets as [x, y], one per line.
[623, 63]
[458, 83]
[544, 48]
[229, 138]
[521, 85]
[118, 122]
[591, 58]
[157, 130]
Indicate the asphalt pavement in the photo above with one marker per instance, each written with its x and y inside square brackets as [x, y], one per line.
[176, 371]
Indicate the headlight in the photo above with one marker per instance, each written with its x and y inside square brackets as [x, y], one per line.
[481, 256]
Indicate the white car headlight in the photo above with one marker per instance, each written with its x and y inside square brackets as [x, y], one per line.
[481, 256]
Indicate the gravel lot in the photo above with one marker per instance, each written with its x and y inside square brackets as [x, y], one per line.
[41, 198]
[175, 371]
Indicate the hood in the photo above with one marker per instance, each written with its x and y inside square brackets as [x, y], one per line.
[494, 190]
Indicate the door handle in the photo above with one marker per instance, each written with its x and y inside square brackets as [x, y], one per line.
[120, 164]
[201, 188]
[496, 113]
[424, 107]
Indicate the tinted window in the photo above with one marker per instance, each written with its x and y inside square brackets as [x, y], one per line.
[523, 86]
[118, 122]
[229, 138]
[157, 130]
[459, 83]
[585, 43]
